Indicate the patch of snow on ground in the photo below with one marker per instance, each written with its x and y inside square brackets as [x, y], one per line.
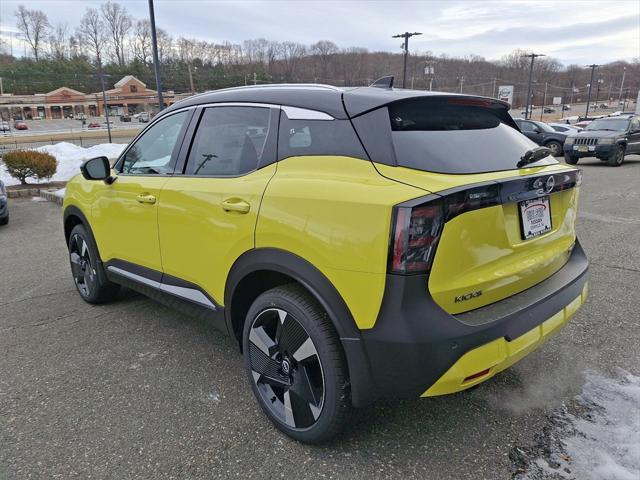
[600, 443]
[69, 157]
[60, 193]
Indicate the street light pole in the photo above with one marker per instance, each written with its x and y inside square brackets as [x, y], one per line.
[406, 36]
[156, 62]
[532, 56]
[104, 102]
[593, 67]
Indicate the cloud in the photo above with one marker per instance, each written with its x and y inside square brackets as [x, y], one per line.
[489, 28]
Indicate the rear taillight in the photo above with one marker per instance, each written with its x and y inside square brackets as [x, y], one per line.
[417, 227]
[416, 231]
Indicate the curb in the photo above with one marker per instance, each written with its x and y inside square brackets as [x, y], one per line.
[23, 193]
[49, 196]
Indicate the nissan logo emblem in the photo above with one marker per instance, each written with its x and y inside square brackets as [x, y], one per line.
[548, 187]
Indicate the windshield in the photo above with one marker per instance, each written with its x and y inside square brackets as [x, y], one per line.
[618, 124]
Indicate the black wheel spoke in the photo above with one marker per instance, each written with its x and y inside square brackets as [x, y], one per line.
[291, 335]
[305, 400]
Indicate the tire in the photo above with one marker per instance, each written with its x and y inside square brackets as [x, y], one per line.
[86, 269]
[295, 364]
[570, 159]
[617, 157]
[555, 147]
[4, 220]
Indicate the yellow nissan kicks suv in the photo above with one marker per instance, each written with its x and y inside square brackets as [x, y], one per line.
[357, 243]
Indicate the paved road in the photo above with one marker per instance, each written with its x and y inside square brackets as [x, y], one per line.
[135, 390]
[66, 125]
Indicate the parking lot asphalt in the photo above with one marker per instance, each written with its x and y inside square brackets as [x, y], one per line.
[136, 390]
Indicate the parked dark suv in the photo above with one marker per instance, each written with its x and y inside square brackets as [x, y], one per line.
[609, 139]
[542, 134]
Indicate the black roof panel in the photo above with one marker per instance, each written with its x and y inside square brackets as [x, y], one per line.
[324, 98]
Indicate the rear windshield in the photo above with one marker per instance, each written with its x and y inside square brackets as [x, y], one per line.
[456, 135]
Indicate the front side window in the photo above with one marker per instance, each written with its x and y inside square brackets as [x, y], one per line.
[230, 141]
[527, 126]
[153, 153]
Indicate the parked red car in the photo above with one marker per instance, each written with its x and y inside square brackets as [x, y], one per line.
[20, 126]
[94, 125]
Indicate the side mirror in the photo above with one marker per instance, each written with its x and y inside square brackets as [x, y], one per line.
[97, 169]
[537, 130]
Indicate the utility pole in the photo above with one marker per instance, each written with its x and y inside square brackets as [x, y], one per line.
[406, 36]
[156, 62]
[532, 56]
[461, 82]
[544, 99]
[624, 72]
[255, 78]
[190, 78]
[1, 89]
[493, 88]
[593, 67]
[104, 100]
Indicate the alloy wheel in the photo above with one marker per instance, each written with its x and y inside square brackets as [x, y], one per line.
[84, 274]
[286, 368]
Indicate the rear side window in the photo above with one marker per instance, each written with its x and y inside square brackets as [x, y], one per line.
[230, 141]
[455, 135]
[317, 137]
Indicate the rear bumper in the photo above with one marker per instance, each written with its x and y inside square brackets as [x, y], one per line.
[418, 349]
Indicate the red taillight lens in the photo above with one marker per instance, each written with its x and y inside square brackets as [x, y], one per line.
[416, 231]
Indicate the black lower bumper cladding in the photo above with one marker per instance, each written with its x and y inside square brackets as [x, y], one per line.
[414, 341]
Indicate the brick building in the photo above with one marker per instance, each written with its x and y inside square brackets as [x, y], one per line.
[128, 96]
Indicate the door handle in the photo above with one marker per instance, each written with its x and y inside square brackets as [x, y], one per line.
[146, 198]
[236, 205]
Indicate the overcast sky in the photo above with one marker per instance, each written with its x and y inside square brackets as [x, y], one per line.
[580, 32]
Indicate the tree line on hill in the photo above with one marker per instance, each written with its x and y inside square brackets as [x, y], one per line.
[109, 39]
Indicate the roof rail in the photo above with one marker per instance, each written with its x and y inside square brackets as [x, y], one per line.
[383, 82]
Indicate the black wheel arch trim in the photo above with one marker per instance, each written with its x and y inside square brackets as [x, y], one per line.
[302, 271]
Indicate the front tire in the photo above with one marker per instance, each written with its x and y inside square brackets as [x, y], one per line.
[4, 220]
[295, 364]
[570, 159]
[86, 269]
[617, 157]
[555, 147]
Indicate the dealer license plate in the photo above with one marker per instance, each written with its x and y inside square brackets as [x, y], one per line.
[582, 148]
[535, 217]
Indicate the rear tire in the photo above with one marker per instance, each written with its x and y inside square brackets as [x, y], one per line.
[295, 364]
[555, 147]
[570, 159]
[86, 269]
[617, 157]
[4, 220]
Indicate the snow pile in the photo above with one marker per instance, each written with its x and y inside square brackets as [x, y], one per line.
[600, 443]
[69, 157]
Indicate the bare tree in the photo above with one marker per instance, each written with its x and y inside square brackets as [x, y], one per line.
[292, 52]
[165, 45]
[33, 24]
[59, 41]
[142, 41]
[325, 50]
[92, 33]
[118, 23]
